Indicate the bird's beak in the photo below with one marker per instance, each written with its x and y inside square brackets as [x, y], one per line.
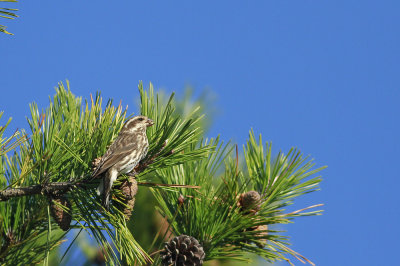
[149, 122]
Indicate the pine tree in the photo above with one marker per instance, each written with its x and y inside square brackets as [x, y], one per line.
[212, 206]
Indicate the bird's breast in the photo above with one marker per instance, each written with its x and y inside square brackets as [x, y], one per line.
[131, 161]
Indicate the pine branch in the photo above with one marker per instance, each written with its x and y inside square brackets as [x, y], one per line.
[235, 214]
[59, 188]
[49, 188]
[55, 161]
[202, 191]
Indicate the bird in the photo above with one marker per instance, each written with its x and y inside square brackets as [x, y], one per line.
[123, 155]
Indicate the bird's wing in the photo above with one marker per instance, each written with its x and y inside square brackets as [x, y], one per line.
[121, 147]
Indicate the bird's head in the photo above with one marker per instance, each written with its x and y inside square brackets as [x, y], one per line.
[138, 122]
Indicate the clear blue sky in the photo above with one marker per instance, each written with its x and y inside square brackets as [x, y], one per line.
[319, 75]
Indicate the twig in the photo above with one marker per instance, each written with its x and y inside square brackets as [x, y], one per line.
[309, 207]
[237, 160]
[47, 188]
[293, 253]
[12, 136]
[155, 252]
[64, 187]
[149, 184]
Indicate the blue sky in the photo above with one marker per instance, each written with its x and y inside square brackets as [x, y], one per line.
[319, 75]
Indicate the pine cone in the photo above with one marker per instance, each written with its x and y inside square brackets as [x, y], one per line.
[62, 217]
[250, 201]
[183, 251]
[128, 189]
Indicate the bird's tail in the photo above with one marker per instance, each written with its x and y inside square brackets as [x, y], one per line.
[105, 186]
[106, 201]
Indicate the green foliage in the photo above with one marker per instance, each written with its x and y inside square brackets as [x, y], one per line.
[67, 136]
[64, 139]
[279, 179]
[7, 144]
[178, 133]
[212, 214]
[7, 13]
[19, 216]
[199, 195]
[184, 107]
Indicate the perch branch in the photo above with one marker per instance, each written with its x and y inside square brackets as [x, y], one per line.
[64, 187]
[47, 188]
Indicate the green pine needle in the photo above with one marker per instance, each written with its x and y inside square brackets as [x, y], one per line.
[64, 139]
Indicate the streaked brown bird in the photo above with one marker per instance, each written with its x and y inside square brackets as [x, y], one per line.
[123, 155]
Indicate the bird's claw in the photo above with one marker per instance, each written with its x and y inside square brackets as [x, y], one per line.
[132, 174]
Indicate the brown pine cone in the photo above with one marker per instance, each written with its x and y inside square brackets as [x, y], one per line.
[129, 189]
[183, 250]
[250, 201]
[62, 217]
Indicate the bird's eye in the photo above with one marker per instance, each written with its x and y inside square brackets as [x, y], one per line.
[141, 119]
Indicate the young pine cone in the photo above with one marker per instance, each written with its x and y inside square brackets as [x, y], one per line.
[183, 250]
[250, 201]
[62, 217]
[129, 189]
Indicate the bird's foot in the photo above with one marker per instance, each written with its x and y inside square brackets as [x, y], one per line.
[132, 173]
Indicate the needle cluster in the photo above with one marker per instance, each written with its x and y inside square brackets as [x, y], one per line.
[212, 203]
